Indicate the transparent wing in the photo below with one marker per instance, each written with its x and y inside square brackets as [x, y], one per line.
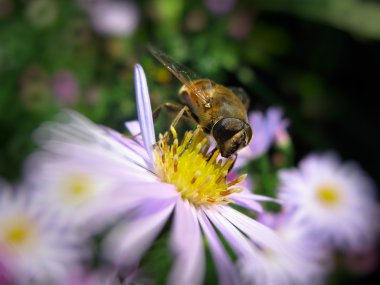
[184, 74]
[241, 94]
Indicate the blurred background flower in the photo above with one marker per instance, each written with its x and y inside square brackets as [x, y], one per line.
[112, 17]
[302, 259]
[36, 244]
[334, 201]
[65, 88]
[266, 128]
[220, 7]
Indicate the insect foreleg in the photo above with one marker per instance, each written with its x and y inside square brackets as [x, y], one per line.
[182, 111]
[233, 163]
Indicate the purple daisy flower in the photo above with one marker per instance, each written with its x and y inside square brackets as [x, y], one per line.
[36, 245]
[302, 261]
[158, 179]
[335, 201]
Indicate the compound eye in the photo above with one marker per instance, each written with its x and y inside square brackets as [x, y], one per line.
[247, 139]
[227, 127]
[248, 133]
[244, 138]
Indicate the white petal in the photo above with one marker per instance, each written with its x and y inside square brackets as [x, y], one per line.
[143, 191]
[136, 144]
[227, 274]
[250, 201]
[186, 243]
[122, 201]
[72, 129]
[144, 110]
[133, 127]
[241, 245]
[244, 201]
[126, 244]
[259, 233]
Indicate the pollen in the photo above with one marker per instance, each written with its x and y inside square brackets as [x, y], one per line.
[77, 187]
[199, 175]
[328, 195]
[18, 233]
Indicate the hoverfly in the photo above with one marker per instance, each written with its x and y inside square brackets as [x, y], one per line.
[218, 110]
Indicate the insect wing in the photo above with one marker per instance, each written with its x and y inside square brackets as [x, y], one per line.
[184, 74]
[242, 95]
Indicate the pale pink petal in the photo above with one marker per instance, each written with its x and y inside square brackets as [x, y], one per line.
[257, 232]
[144, 111]
[261, 198]
[126, 198]
[250, 204]
[186, 244]
[126, 244]
[133, 127]
[239, 243]
[227, 273]
[72, 129]
[135, 144]
[250, 201]
[94, 157]
[142, 191]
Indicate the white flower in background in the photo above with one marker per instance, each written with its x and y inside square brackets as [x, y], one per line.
[302, 260]
[35, 247]
[157, 180]
[73, 188]
[334, 201]
[81, 172]
[112, 17]
[267, 128]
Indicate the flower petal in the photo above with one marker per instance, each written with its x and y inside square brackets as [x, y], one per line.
[241, 245]
[257, 232]
[250, 204]
[135, 145]
[142, 191]
[73, 130]
[124, 200]
[186, 243]
[126, 244]
[144, 110]
[250, 201]
[226, 269]
[133, 127]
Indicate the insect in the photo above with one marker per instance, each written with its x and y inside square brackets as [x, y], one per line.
[220, 111]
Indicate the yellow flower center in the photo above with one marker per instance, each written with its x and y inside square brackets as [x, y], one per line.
[77, 187]
[18, 233]
[189, 165]
[328, 195]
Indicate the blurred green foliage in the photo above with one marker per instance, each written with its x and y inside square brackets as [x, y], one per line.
[316, 59]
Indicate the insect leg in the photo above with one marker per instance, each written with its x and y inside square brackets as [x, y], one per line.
[183, 111]
[233, 163]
